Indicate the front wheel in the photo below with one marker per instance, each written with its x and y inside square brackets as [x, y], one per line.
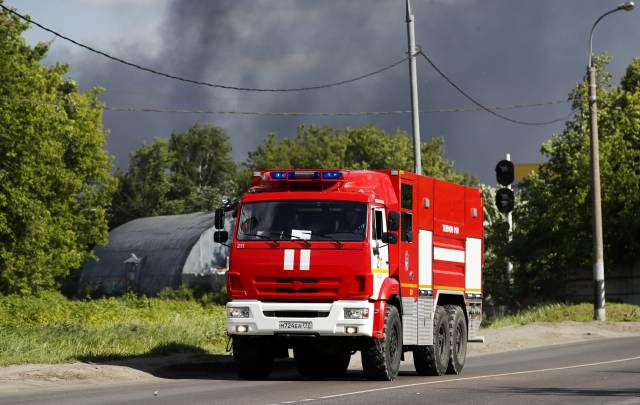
[381, 358]
[253, 357]
[313, 363]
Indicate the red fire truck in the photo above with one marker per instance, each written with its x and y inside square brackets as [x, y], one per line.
[330, 262]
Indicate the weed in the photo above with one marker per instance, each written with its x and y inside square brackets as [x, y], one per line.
[565, 312]
[50, 328]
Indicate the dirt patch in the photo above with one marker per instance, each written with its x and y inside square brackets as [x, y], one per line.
[66, 376]
[544, 334]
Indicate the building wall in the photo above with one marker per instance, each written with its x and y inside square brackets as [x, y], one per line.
[621, 287]
[208, 261]
[161, 245]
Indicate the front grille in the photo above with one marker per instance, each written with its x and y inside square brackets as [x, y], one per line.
[320, 288]
[296, 314]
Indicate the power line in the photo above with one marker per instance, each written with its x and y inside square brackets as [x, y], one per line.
[326, 114]
[488, 109]
[296, 113]
[491, 110]
[198, 82]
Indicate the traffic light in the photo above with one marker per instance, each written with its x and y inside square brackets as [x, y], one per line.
[505, 199]
[504, 172]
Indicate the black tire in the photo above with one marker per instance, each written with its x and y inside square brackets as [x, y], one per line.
[434, 359]
[381, 358]
[253, 357]
[312, 363]
[458, 333]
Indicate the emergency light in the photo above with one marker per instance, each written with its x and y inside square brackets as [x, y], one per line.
[278, 175]
[331, 175]
[306, 175]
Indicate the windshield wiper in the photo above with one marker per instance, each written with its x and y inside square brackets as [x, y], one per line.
[306, 241]
[263, 237]
[331, 238]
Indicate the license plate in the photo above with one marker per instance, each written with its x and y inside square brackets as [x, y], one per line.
[295, 325]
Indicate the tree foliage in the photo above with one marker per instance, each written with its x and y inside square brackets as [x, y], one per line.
[192, 171]
[54, 171]
[553, 237]
[496, 282]
[351, 148]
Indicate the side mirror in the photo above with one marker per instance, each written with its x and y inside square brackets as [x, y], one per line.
[389, 238]
[220, 236]
[218, 218]
[393, 221]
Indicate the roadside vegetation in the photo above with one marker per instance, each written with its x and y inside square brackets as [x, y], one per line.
[51, 328]
[566, 312]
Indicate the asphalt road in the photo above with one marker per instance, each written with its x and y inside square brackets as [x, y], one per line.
[605, 371]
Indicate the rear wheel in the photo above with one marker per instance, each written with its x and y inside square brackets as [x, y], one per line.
[458, 334]
[320, 363]
[434, 359]
[381, 358]
[253, 357]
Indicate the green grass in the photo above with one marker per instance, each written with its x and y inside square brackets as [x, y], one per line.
[567, 312]
[54, 329]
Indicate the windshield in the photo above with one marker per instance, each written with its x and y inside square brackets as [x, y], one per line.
[303, 220]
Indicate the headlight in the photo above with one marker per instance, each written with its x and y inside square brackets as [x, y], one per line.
[238, 312]
[356, 313]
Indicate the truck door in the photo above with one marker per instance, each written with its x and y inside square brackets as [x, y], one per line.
[408, 262]
[379, 250]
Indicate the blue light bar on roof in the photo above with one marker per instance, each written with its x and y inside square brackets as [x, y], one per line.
[278, 175]
[331, 175]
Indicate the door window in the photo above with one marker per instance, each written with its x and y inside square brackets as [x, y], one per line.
[407, 227]
[407, 196]
[376, 233]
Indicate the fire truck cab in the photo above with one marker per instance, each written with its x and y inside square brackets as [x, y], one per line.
[330, 262]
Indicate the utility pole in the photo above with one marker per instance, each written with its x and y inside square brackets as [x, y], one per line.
[599, 313]
[415, 109]
[598, 251]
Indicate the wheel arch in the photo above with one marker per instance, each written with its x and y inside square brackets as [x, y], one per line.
[453, 298]
[389, 288]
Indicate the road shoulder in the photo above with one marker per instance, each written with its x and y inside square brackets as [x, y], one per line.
[21, 378]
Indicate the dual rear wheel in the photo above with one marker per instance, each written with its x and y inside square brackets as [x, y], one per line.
[449, 349]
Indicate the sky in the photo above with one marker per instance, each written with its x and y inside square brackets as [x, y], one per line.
[503, 52]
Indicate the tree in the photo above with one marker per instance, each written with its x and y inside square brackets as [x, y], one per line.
[54, 171]
[192, 171]
[142, 190]
[553, 238]
[496, 283]
[350, 148]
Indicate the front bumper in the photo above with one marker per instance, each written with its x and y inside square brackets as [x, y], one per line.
[333, 324]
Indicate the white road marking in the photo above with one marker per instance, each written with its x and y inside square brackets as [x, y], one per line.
[625, 402]
[479, 377]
